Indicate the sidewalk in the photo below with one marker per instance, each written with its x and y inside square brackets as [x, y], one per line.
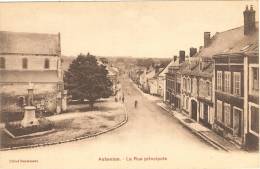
[204, 133]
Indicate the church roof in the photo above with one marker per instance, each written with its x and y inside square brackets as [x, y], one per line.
[29, 43]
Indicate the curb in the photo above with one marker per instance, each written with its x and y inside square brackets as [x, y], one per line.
[71, 140]
[213, 143]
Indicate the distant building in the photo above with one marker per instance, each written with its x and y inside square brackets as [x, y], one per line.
[155, 83]
[113, 74]
[31, 58]
[162, 75]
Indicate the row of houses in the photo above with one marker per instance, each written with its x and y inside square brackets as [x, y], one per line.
[149, 80]
[218, 86]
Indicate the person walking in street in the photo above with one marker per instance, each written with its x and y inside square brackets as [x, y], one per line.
[136, 103]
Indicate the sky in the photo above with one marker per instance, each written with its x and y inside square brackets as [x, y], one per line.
[138, 29]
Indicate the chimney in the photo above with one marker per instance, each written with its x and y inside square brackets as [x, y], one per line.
[249, 20]
[174, 58]
[193, 51]
[181, 56]
[206, 39]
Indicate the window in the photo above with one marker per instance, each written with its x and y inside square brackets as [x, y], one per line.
[227, 115]
[187, 103]
[219, 80]
[46, 63]
[194, 86]
[2, 63]
[237, 83]
[200, 87]
[254, 120]
[184, 84]
[201, 110]
[255, 78]
[178, 88]
[25, 63]
[227, 86]
[183, 101]
[219, 111]
[189, 85]
[208, 87]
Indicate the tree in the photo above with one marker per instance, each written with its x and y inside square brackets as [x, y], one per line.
[86, 79]
[145, 62]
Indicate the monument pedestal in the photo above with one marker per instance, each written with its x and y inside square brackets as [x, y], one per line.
[29, 117]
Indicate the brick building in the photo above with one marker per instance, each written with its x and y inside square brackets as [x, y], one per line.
[220, 83]
[35, 59]
[236, 83]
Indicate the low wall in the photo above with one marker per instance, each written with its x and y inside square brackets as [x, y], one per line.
[14, 96]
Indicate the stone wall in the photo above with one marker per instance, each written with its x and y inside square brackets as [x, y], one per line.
[14, 62]
[13, 95]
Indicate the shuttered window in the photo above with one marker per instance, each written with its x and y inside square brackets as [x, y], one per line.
[255, 79]
[227, 79]
[219, 80]
[219, 111]
[237, 83]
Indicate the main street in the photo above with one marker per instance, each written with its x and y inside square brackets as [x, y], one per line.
[149, 132]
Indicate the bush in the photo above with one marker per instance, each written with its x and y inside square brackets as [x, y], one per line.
[18, 130]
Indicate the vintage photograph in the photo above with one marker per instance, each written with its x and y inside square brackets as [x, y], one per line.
[129, 85]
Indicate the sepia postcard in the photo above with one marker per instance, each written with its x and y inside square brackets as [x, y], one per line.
[129, 85]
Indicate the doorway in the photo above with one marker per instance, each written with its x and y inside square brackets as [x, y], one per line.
[237, 122]
[194, 110]
[205, 113]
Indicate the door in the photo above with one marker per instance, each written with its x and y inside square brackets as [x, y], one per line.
[205, 113]
[237, 122]
[194, 110]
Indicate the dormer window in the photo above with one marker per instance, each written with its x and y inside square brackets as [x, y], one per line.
[245, 47]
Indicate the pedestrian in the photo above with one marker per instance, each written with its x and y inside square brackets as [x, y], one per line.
[136, 103]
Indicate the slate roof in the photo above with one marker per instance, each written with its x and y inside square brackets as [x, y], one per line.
[231, 41]
[26, 76]
[29, 43]
[172, 63]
